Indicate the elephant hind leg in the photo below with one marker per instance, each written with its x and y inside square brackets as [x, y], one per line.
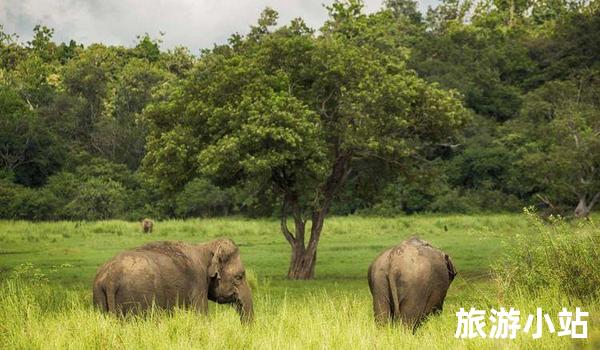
[382, 310]
[99, 296]
[416, 310]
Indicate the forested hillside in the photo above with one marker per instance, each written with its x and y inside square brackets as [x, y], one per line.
[472, 107]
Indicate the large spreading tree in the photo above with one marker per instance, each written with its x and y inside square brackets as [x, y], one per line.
[558, 141]
[289, 112]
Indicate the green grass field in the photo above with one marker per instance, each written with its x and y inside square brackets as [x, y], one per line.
[48, 303]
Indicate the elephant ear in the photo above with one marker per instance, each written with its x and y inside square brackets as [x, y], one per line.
[451, 270]
[223, 251]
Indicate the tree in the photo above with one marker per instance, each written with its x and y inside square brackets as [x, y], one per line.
[486, 65]
[28, 150]
[147, 48]
[97, 199]
[118, 135]
[404, 8]
[85, 81]
[558, 140]
[11, 53]
[292, 112]
[42, 43]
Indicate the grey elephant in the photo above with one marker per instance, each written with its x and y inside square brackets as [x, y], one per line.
[147, 225]
[168, 274]
[409, 281]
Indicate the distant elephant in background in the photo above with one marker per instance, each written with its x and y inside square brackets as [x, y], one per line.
[409, 282]
[169, 274]
[147, 225]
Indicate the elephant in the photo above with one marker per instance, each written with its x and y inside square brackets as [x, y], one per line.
[408, 282]
[168, 274]
[147, 225]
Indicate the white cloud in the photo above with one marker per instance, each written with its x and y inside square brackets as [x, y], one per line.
[192, 23]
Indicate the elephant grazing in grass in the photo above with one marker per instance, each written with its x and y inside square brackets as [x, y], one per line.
[169, 274]
[147, 225]
[409, 282]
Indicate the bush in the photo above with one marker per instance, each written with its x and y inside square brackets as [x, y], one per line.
[407, 196]
[64, 187]
[8, 192]
[20, 202]
[34, 204]
[452, 202]
[98, 199]
[146, 200]
[201, 198]
[561, 255]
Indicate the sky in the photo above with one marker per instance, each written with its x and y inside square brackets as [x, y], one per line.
[194, 24]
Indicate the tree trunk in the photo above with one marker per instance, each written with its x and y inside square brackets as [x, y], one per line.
[302, 264]
[584, 208]
[303, 260]
[304, 257]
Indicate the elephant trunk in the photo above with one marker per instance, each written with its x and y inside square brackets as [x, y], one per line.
[244, 304]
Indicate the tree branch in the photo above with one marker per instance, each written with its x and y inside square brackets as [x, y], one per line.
[340, 172]
[594, 200]
[284, 229]
[546, 201]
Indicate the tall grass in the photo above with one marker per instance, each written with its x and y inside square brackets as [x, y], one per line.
[46, 271]
[559, 255]
[40, 316]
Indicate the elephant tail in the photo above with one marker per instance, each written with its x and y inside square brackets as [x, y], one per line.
[104, 297]
[100, 297]
[110, 293]
[394, 294]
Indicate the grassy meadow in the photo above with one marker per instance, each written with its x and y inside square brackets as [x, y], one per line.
[46, 270]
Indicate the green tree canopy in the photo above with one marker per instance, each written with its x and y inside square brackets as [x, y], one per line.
[291, 111]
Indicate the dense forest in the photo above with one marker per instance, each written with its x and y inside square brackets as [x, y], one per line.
[483, 106]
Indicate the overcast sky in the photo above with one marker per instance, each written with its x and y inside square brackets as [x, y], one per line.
[192, 23]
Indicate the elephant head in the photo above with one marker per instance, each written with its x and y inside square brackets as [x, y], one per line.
[228, 283]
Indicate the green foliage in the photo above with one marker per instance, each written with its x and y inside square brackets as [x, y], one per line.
[485, 65]
[34, 204]
[280, 110]
[119, 135]
[97, 199]
[28, 149]
[557, 140]
[147, 48]
[201, 198]
[29, 274]
[564, 257]
[275, 110]
[453, 201]
[8, 193]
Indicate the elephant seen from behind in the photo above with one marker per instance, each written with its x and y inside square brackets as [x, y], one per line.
[408, 282]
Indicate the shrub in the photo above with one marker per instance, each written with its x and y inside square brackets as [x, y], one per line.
[34, 204]
[8, 191]
[201, 198]
[560, 255]
[28, 272]
[98, 199]
[20, 202]
[145, 199]
[452, 202]
[64, 187]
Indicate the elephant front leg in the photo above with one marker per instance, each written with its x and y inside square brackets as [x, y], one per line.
[199, 301]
